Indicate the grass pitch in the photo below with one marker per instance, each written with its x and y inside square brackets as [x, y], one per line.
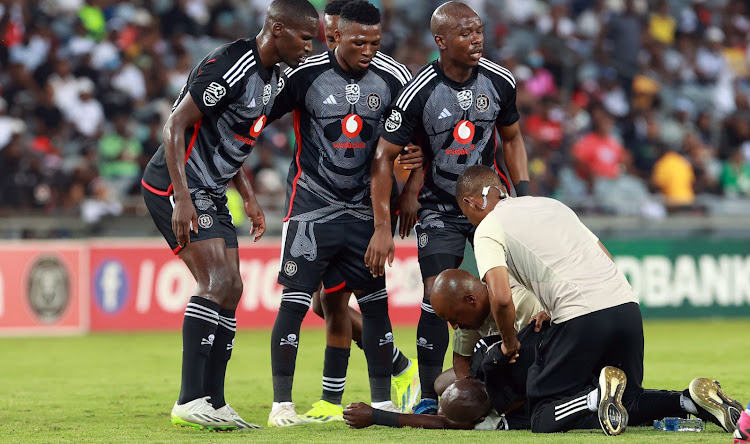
[121, 387]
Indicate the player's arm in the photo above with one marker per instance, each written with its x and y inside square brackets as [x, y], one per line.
[604, 249]
[250, 204]
[184, 216]
[514, 154]
[408, 205]
[461, 365]
[359, 415]
[381, 180]
[503, 310]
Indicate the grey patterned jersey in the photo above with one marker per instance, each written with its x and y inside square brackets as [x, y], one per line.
[336, 120]
[454, 124]
[235, 93]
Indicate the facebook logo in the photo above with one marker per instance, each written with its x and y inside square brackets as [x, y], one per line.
[111, 286]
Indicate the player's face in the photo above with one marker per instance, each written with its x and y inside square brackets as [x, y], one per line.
[465, 316]
[330, 23]
[465, 42]
[295, 43]
[357, 45]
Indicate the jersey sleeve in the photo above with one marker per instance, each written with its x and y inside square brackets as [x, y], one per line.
[489, 246]
[218, 81]
[286, 96]
[506, 85]
[464, 341]
[402, 117]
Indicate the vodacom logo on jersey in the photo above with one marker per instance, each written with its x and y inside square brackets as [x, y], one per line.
[258, 125]
[464, 134]
[351, 126]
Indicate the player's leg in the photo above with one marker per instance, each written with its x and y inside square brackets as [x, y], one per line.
[300, 275]
[338, 342]
[567, 387]
[205, 257]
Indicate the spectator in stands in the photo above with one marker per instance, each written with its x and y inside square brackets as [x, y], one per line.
[119, 155]
[674, 177]
[735, 175]
[598, 154]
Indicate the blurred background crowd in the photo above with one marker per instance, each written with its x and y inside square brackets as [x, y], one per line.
[627, 107]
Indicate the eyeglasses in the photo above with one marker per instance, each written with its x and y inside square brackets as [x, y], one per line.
[485, 192]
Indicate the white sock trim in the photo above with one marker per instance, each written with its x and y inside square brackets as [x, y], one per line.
[592, 400]
[277, 405]
[688, 405]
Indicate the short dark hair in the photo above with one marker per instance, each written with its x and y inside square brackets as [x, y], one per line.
[360, 11]
[294, 11]
[335, 7]
[471, 181]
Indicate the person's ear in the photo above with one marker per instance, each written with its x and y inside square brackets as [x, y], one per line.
[470, 298]
[277, 28]
[440, 42]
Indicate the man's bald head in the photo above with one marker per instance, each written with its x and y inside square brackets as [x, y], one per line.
[460, 299]
[292, 13]
[449, 15]
[465, 400]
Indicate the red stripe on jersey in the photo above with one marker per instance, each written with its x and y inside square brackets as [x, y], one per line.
[177, 249]
[157, 191]
[297, 136]
[336, 288]
[494, 161]
[196, 127]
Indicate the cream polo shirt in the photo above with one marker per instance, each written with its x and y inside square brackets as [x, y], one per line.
[527, 305]
[548, 250]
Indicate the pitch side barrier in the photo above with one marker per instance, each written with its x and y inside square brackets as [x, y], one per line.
[72, 287]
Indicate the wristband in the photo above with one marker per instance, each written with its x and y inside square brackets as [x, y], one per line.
[381, 417]
[523, 188]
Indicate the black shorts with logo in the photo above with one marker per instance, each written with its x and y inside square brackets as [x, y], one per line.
[331, 252]
[214, 219]
[441, 242]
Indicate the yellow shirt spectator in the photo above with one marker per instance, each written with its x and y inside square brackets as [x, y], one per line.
[674, 176]
[661, 27]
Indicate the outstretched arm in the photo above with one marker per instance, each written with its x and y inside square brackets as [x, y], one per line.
[359, 415]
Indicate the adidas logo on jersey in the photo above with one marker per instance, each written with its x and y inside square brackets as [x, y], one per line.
[330, 101]
[252, 103]
[445, 113]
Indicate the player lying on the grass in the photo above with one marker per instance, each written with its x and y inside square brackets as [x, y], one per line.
[213, 127]
[337, 98]
[454, 107]
[596, 320]
[505, 385]
[405, 375]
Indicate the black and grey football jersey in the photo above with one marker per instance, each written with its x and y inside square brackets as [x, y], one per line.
[337, 116]
[235, 93]
[454, 123]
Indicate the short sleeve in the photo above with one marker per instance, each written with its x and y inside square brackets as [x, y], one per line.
[489, 246]
[286, 96]
[464, 341]
[215, 86]
[508, 114]
[401, 119]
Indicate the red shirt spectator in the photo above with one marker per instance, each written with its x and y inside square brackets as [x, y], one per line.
[598, 154]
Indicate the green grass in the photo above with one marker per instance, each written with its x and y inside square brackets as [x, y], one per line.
[121, 387]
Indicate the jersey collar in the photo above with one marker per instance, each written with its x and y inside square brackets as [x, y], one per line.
[452, 83]
[345, 74]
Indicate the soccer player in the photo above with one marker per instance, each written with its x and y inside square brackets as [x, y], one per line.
[213, 126]
[405, 375]
[452, 107]
[596, 332]
[338, 99]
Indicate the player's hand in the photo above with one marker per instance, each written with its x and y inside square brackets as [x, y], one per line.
[184, 220]
[407, 213]
[539, 319]
[358, 415]
[511, 350]
[255, 213]
[411, 157]
[380, 248]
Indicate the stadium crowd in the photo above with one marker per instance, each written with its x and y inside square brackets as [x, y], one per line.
[627, 107]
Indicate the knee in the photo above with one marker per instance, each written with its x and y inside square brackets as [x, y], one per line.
[226, 289]
[317, 306]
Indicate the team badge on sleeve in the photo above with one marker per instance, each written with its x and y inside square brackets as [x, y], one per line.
[393, 122]
[465, 98]
[213, 93]
[280, 85]
[352, 93]
[373, 102]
